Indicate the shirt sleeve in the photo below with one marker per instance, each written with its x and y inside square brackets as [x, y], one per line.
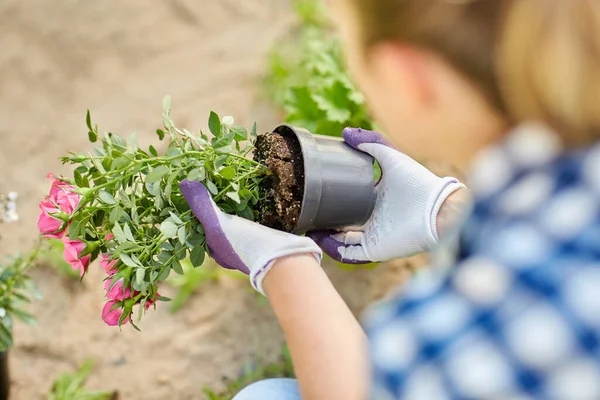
[517, 319]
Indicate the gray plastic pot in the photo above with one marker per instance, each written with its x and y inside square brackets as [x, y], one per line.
[339, 182]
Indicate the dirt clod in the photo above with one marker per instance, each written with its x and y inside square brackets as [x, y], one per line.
[284, 188]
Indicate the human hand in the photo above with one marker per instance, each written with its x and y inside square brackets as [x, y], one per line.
[236, 243]
[403, 223]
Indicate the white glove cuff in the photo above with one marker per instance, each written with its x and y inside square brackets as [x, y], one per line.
[258, 275]
[448, 186]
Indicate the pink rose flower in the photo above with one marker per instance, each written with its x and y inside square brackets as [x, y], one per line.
[107, 265]
[49, 226]
[111, 313]
[61, 199]
[117, 291]
[72, 254]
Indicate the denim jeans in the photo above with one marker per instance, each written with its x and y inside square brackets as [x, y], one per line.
[271, 389]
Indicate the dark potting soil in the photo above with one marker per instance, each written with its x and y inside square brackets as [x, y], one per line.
[283, 188]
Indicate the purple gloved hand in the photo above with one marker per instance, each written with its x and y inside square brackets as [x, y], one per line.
[236, 243]
[403, 222]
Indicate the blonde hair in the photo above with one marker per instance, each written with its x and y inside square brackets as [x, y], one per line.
[533, 59]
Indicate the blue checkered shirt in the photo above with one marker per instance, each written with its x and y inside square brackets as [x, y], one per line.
[516, 314]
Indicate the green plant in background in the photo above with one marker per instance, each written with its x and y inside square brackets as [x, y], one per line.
[16, 287]
[16, 291]
[307, 77]
[253, 372]
[71, 386]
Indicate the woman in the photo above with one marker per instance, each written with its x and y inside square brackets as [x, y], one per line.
[510, 89]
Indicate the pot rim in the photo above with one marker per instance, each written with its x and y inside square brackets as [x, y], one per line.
[313, 185]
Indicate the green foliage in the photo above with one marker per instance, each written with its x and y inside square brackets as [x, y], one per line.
[253, 373]
[307, 77]
[71, 386]
[134, 195]
[16, 291]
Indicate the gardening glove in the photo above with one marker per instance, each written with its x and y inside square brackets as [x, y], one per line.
[403, 222]
[237, 243]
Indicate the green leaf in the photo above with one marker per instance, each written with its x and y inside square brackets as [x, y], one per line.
[197, 256]
[164, 256]
[195, 239]
[133, 141]
[226, 149]
[182, 234]
[168, 228]
[164, 274]
[140, 274]
[106, 198]
[128, 233]
[214, 124]
[124, 246]
[23, 316]
[115, 215]
[119, 163]
[240, 133]
[246, 213]
[234, 196]
[159, 202]
[161, 134]
[88, 120]
[119, 234]
[253, 130]
[227, 173]
[167, 104]
[92, 135]
[153, 151]
[175, 218]
[176, 266]
[220, 161]
[6, 336]
[125, 199]
[128, 260]
[152, 188]
[118, 142]
[212, 187]
[80, 181]
[223, 141]
[197, 174]
[157, 174]
[169, 187]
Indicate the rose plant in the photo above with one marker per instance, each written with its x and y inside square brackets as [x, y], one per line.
[123, 206]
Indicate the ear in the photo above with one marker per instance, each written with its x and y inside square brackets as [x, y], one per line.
[403, 69]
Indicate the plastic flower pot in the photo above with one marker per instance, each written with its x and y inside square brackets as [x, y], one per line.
[4, 376]
[339, 182]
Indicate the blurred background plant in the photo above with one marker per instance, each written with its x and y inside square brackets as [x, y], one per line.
[16, 287]
[71, 386]
[307, 78]
[8, 207]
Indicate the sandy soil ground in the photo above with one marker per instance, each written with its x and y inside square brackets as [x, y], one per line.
[119, 59]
